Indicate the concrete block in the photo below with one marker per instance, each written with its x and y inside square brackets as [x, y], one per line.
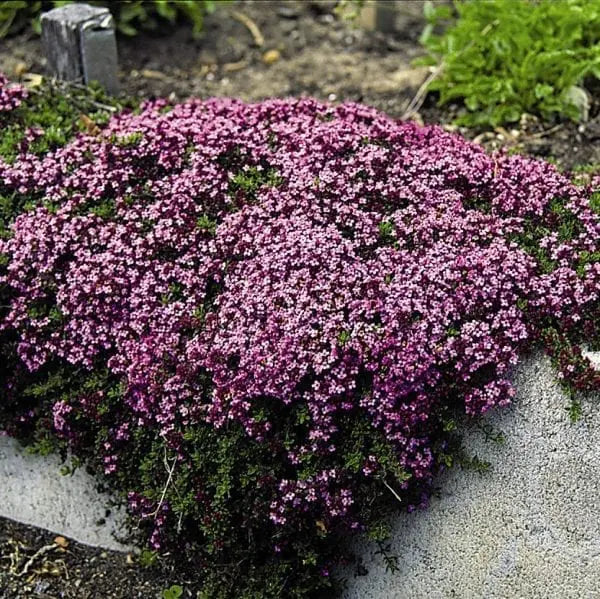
[34, 492]
[528, 528]
[99, 57]
[379, 15]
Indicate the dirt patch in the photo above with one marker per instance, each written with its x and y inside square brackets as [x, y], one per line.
[33, 565]
[307, 51]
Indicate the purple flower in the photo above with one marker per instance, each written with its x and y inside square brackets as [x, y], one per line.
[323, 257]
[11, 94]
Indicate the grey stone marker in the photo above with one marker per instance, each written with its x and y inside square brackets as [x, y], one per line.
[79, 43]
[379, 15]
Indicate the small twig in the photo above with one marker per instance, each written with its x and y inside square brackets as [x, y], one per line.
[64, 567]
[15, 557]
[392, 491]
[179, 522]
[231, 67]
[252, 27]
[38, 553]
[419, 97]
[546, 132]
[66, 84]
[170, 470]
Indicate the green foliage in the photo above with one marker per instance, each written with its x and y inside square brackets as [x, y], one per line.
[389, 559]
[131, 16]
[349, 10]
[14, 14]
[574, 410]
[55, 112]
[387, 232]
[344, 337]
[503, 58]
[595, 202]
[248, 182]
[559, 219]
[148, 558]
[207, 224]
[173, 592]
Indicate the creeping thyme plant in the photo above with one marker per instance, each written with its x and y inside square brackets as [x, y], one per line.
[257, 320]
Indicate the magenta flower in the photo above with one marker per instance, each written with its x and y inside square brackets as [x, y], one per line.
[322, 257]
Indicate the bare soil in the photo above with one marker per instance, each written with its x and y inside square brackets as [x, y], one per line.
[34, 566]
[307, 50]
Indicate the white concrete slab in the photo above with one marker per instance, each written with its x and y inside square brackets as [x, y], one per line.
[34, 492]
[529, 528]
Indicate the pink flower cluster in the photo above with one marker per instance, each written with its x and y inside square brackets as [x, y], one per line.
[11, 95]
[371, 266]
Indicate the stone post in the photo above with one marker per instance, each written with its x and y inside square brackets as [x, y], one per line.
[379, 15]
[79, 44]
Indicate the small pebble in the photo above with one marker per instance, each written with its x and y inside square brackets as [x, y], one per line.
[287, 12]
[271, 56]
[61, 542]
[328, 18]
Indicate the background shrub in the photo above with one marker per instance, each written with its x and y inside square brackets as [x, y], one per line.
[507, 57]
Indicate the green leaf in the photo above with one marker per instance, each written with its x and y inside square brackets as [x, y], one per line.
[173, 592]
[428, 10]
[506, 57]
[542, 90]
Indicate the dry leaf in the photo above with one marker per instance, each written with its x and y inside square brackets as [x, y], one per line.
[89, 125]
[61, 542]
[150, 74]
[32, 80]
[321, 526]
[230, 67]
[20, 68]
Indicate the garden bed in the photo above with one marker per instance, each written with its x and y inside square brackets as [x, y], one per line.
[73, 571]
[168, 326]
